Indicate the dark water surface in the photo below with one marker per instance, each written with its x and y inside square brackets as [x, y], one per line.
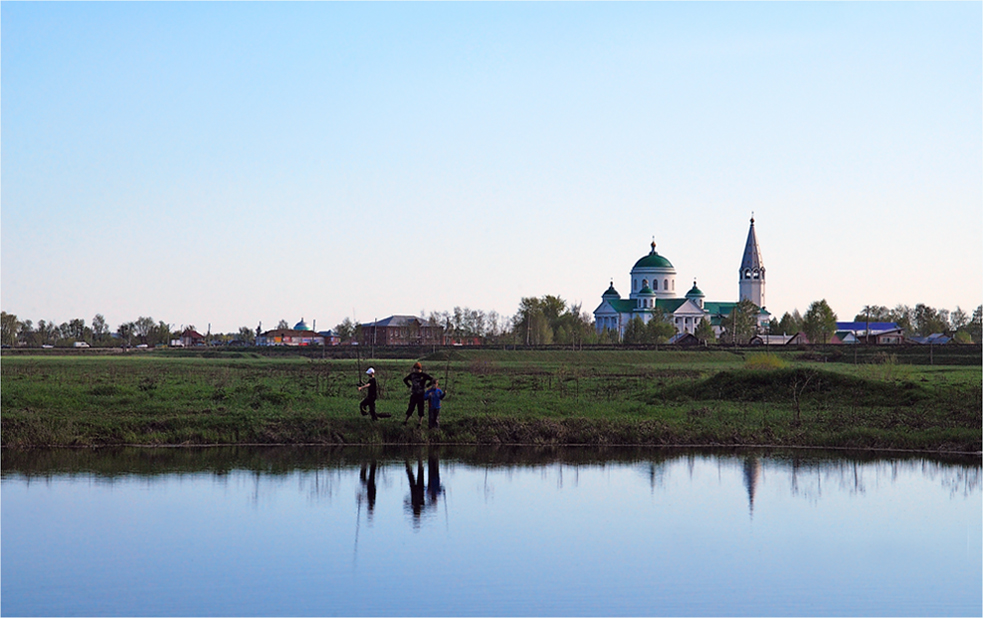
[509, 531]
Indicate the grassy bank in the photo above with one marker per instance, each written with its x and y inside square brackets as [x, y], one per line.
[496, 397]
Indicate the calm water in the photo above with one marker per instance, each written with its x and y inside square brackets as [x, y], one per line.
[309, 531]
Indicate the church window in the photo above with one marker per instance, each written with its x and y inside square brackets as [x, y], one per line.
[747, 274]
[673, 285]
[665, 284]
[645, 283]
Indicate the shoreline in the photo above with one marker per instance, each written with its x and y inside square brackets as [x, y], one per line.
[872, 450]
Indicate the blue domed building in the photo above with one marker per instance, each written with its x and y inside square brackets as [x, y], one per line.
[300, 335]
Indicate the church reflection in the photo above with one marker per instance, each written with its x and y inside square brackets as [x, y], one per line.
[752, 474]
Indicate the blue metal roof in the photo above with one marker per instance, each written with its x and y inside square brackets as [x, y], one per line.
[872, 326]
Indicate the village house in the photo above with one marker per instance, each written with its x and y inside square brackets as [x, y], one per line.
[189, 337]
[402, 330]
[881, 333]
[769, 340]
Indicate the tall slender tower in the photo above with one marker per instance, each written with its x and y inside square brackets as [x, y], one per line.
[752, 276]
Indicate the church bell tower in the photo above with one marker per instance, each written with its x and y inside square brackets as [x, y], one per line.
[752, 275]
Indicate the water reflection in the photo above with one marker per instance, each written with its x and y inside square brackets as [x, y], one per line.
[512, 531]
[752, 471]
[805, 470]
[422, 497]
[367, 476]
[804, 473]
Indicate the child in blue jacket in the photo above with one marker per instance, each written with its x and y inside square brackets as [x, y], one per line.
[433, 397]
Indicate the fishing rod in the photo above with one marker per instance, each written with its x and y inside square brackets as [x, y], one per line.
[447, 373]
[358, 354]
[358, 366]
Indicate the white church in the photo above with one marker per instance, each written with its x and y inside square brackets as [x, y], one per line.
[653, 288]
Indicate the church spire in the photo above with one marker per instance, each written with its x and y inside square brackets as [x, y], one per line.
[752, 273]
[752, 254]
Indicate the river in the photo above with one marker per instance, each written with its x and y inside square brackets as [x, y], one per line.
[488, 532]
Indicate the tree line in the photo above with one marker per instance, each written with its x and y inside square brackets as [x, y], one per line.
[538, 321]
[142, 331]
[545, 320]
[819, 322]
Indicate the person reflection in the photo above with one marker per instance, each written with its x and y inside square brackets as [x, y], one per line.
[416, 499]
[423, 497]
[434, 488]
[367, 476]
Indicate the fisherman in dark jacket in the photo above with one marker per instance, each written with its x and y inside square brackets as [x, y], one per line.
[417, 381]
[368, 404]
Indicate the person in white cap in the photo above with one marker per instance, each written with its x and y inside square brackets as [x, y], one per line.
[369, 401]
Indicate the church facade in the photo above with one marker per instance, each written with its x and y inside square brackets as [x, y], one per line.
[653, 291]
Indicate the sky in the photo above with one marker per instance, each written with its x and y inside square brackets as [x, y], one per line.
[231, 164]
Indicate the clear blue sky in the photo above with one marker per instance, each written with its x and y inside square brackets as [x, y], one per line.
[231, 163]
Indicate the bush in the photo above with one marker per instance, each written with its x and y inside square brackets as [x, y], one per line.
[764, 361]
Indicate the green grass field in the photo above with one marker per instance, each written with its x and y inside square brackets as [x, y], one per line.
[600, 397]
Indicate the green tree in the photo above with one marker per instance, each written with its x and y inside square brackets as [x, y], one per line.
[75, 330]
[160, 334]
[345, 330]
[873, 313]
[26, 335]
[47, 332]
[659, 329]
[126, 332]
[532, 323]
[100, 330]
[142, 328]
[246, 335]
[928, 321]
[609, 335]
[9, 325]
[819, 322]
[958, 319]
[634, 331]
[574, 327]
[904, 317]
[705, 333]
[742, 323]
[790, 324]
[975, 326]
[962, 337]
[553, 308]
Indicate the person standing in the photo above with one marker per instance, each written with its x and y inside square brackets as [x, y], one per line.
[369, 402]
[433, 397]
[417, 381]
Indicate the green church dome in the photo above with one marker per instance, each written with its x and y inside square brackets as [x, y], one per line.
[695, 292]
[653, 260]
